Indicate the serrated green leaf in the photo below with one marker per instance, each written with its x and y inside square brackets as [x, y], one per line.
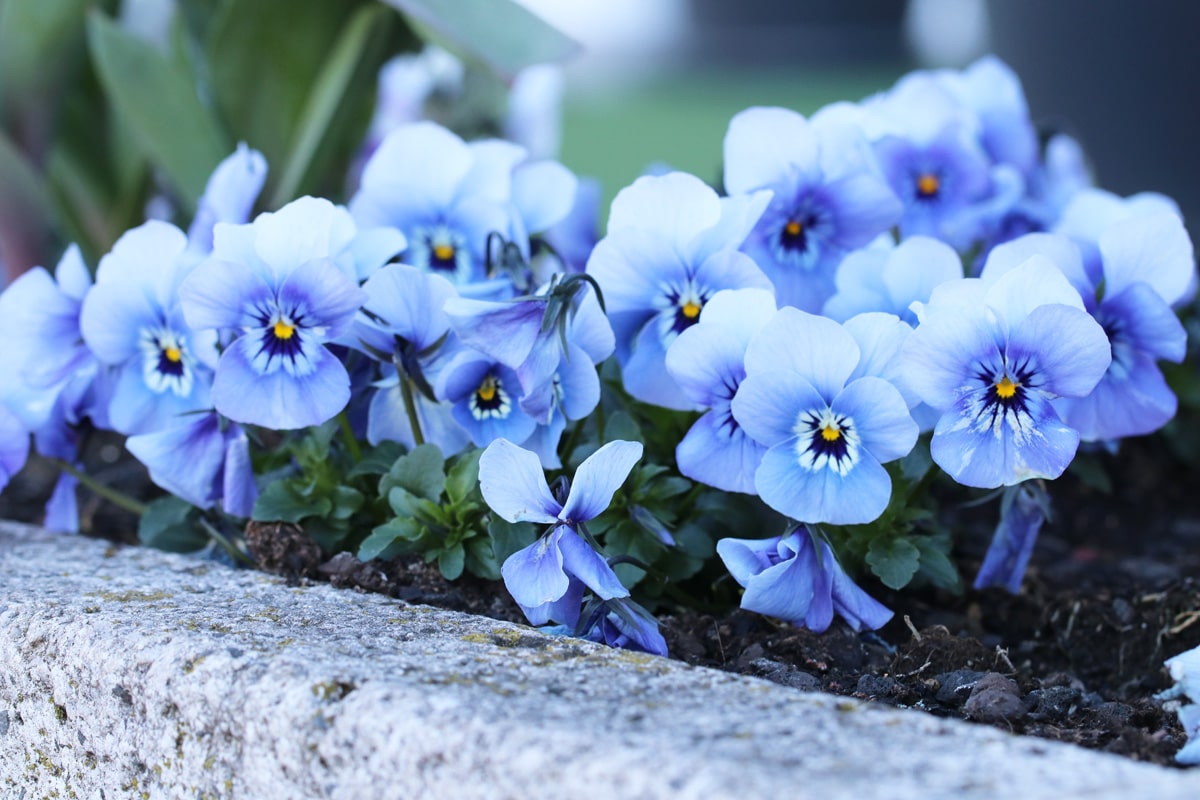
[509, 537]
[157, 98]
[346, 75]
[502, 34]
[463, 476]
[170, 524]
[285, 501]
[936, 566]
[894, 561]
[419, 472]
[451, 561]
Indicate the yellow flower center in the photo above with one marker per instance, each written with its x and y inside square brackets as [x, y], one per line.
[1006, 388]
[283, 330]
[691, 309]
[173, 354]
[487, 390]
[443, 252]
[831, 432]
[793, 228]
[928, 185]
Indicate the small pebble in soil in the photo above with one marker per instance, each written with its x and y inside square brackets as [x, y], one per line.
[1055, 703]
[876, 686]
[955, 687]
[995, 698]
[778, 672]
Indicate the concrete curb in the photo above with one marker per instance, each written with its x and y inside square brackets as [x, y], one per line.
[125, 672]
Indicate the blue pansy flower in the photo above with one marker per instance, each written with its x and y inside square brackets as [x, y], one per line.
[822, 207]
[1146, 265]
[707, 361]
[278, 284]
[14, 445]
[620, 622]
[132, 320]
[671, 245]
[890, 278]
[485, 398]
[547, 578]
[797, 578]
[827, 434]
[991, 355]
[444, 194]
[203, 460]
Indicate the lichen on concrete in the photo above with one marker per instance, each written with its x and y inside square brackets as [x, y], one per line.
[143, 674]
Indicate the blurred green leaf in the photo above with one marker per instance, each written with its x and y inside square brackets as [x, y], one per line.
[33, 33]
[170, 524]
[895, 561]
[284, 501]
[419, 472]
[464, 476]
[25, 215]
[346, 74]
[383, 537]
[509, 537]
[451, 561]
[157, 98]
[500, 33]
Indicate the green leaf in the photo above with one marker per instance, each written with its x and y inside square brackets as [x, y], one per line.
[377, 460]
[346, 74]
[25, 216]
[384, 536]
[463, 476]
[170, 524]
[419, 472]
[403, 503]
[345, 502]
[894, 561]
[451, 562]
[481, 559]
[33, 38]
[1090, 469]
[936, 566]
[505, 36]
[509, 537]
[158, 99]
[918, 462]
[620, 425]
[284, 501]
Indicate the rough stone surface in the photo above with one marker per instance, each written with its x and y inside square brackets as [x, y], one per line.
[130, 673]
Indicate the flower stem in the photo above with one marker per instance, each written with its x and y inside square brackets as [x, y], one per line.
[119, 499]
[410, 407]
[352, 446]
[223, 541]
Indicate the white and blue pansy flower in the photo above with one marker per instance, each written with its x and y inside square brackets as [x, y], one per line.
[827, 435]
[671, 246]
[991, 355]
[823, 204]
[485, 399]
[890, 278]
[228, 196]
[132, 320]
[445, 195]
[548, 577]
[277, 284]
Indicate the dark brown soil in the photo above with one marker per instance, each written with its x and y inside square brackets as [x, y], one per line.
[1113, 590]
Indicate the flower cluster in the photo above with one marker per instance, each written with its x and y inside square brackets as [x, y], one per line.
[909, 281]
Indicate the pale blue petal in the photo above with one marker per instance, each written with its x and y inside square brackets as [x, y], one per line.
[323, 295]
[676, 207]
[859, 285]
[1131, 401]
[374, 247]
[185, 459]
[880, 417]
[62, 509]
[410, 303]
[579, 384]
[1140, 317]
[631, 267]
[14, 445]
[564, 610]
[229, 195]
[862, 206]
[590, 329]
[238, 489]
[816, 348]
[543, 192]
[858, 608]
[1034, 282]
[705, 361]
[113, 315]
[784, 591]
[915, 268]
[941, 355]
[306, 229]
[278, 399]
[742, 312]
[490, 177]
[1068, 348]
[880, 338]
[1059, 249]
[580, 560]
[717, 452]
[745, 558]
[822, 495]
[1012, 543]
[730, 269]
[534, 576]
[72, 274]
[135, 408]
[761, 146]
[146, 259]
[739, 214]
[418, 167]
[1150, 248]
[645, 375]
[514, 486]
[768, 405]
[598, 478]
[223, 294]
[505, 331]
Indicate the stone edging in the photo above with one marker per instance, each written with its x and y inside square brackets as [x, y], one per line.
[126, 672]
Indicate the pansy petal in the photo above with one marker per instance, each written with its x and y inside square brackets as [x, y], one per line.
[184, 459]
[739, 214]
[745, 558]
[222, 294]
[505, 332]
[1035, 282]
[822, 495]
[1151, 248]
[543, 192]
[62, 509]
[534, 575]
[762, 143]
[564, 610]
[630, 265]
[706, 363]
[423, 161]
[598, 478]
[784, 591]
[768, 405]
[514, 485]
[238, 489]
[1142, 318]
[1068, 347]
[742, 312]
[678, 207]
[881, 418]
[277, 399]
[14, 445]
[716, 452]
[1063, 252]
[816, 348]
[863, 206]
[580, 560]
[325, 296]
[940, 355]
[859, 609]
[917, 266]
[645, 375]
[1130, 401]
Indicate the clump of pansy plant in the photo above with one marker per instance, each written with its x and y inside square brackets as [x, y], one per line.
[728, 397]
